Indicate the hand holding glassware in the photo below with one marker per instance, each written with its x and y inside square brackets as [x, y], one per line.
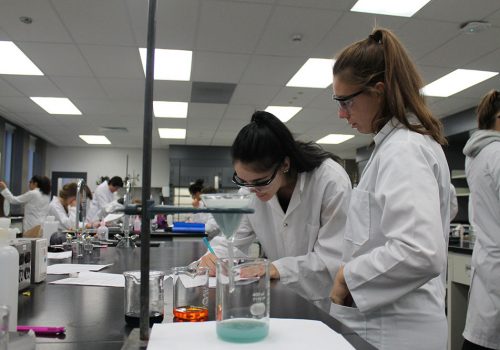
[242, 314]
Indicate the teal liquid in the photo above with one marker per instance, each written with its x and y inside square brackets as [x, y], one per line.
[228, 223]
[242, 330]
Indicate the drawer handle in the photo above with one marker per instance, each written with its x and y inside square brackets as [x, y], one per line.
[467, 267]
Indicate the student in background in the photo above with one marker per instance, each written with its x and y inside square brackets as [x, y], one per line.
[62, 207]
[482, 168]
[104, 194]
[391, 287]
[301, 199]
[36, 200]
[211, 227]
[195, 192]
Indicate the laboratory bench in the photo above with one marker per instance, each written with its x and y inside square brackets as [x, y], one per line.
[458, 282]
[94, 316]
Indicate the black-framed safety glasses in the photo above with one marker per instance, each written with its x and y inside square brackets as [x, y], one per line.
[259, 183]
[345, 102]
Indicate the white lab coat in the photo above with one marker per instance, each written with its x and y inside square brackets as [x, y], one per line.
[482, 167]
[101, 198]
[67, 220]
[211, 227]
[305, 243]
[395, 247]
[36, 206]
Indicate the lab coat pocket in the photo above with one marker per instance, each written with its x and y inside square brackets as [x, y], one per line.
[358, 220]
[351, 317]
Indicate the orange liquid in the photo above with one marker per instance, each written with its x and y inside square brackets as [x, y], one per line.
[190, 314]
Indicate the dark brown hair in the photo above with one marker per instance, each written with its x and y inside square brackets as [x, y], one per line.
[68, 191]
[487, 110]
[382, 58]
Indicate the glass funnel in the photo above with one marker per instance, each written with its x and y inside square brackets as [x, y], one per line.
[228, 222]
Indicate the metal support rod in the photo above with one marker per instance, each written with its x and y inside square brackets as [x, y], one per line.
[146, 171]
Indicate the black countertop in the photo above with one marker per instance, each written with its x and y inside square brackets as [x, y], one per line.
[94, 316]
[464, 248]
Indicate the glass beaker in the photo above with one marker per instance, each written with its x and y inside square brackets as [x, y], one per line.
[190, 293]
[242, 313]
[133, 297]
[4, 327]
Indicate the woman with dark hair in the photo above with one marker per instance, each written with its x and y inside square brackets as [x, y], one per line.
[36, 200]
[482, 168]
[391, 287]
[195, 191]
[301, 200]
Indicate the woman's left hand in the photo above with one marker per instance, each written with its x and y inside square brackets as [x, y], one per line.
[3, 185]
[340, 293]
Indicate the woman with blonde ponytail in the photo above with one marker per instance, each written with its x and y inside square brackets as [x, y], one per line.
[391, 285]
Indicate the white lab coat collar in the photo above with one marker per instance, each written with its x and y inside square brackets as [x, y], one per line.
[294, 201]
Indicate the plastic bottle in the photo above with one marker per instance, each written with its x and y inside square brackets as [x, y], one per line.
[9, 270]
[103, 232]
[137, 224]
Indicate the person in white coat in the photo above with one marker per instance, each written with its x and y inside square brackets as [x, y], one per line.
[36, 201]
[391, 286]
[63, 207]
[482, 168]
[104, 194]
[301, 200]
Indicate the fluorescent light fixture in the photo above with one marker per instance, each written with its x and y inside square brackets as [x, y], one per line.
[456, 81]
[334, 139]
[167, 109]
[283, 113]
[56, 105]
[170, 64]
[14, 61]
[403, 8]
[315, 73]
[95, 139]
[167, 133]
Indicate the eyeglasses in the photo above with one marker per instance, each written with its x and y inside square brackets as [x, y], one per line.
[345, 102]
[259, 183]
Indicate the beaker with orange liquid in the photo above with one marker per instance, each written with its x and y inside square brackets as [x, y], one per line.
[190, 294]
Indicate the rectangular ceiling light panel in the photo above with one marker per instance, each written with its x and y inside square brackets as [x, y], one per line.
[170, 64]
[56, 105]
[456, 81]
[95, 139]
[168, 109]
[334, 139]
[283, 113]
[403, 8]
[14, 61]
[169, 133]
[315, 73]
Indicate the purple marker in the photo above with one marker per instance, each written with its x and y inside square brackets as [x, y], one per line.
[41, 330]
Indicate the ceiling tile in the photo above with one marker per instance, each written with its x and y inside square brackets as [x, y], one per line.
[34, 86]
[458, 11]
[80, 87]
[259, 96]
[218, 67]
[271, 70]
[57, 59]
[114, 61]
[46, 25]
[96, 21]
[231, 27]
[311, 24]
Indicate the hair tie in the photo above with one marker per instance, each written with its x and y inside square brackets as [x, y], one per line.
[377, 37]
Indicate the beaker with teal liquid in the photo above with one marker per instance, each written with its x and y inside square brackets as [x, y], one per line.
[242, 312]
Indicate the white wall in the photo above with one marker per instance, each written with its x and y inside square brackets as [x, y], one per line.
[105, 161]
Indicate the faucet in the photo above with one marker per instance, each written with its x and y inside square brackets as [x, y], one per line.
[80, 188]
